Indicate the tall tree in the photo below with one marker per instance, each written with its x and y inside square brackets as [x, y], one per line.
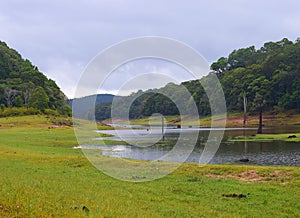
[39, 99]
[18, 77]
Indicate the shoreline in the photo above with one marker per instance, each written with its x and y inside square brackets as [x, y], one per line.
[233, 120]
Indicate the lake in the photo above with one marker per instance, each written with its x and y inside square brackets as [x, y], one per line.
[276, 153]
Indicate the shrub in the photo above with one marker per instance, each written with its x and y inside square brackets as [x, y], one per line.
[51, 112]
[20, 111]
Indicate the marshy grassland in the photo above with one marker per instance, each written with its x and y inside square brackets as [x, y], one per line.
[233, 120]
[43, 176]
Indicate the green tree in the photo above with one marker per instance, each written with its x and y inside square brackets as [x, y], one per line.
[2, 107]
[39, 99]
[259, 103]
[18, 102]
[268, 77]
[242, 58]
[19, 77]
[220, 66]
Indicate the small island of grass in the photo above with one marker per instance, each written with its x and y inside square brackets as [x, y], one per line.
[289, 137]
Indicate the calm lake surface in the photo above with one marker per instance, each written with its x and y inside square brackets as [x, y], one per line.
[276, 153]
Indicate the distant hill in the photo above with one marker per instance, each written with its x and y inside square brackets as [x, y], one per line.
[84, 103]
[23, 85]
[101, 98]
[268, 77]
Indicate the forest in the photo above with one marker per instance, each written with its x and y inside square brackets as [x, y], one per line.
[268, 78]
[24, 89]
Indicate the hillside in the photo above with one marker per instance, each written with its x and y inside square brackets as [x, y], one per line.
[22, 85]
[268, 77]
[84, 102]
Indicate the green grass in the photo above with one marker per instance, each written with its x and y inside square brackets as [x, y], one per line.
[155, 120]
[25, 121]
[269, 137]
[42, 176]
[102, 126]
[234, 119]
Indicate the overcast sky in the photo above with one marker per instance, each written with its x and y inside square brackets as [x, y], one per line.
[62, 36]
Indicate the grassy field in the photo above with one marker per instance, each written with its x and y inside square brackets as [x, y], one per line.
[43, 176]
[233, 120]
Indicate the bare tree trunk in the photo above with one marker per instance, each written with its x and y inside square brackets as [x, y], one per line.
[245, 111]
[260, 125]
[10, 96]
[162, 128]
[26, 97]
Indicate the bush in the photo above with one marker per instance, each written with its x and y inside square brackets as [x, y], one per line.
[20, 111]
[61, 121]
[51, 112]
[67, 111]
[2, 107]
[31, 111]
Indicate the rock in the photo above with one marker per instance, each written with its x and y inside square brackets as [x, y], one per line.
[85, 209]
[244, 160]
[292, 137]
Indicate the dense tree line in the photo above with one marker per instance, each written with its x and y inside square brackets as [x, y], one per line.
[269, 78]
[22, 85]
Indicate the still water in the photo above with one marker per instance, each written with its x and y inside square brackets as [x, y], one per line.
[255, 153]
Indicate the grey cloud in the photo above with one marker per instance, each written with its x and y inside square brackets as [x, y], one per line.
[53, 33]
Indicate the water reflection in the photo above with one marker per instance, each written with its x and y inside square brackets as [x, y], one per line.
[258, 153]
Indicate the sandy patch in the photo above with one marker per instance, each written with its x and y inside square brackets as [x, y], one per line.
[255, 176]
